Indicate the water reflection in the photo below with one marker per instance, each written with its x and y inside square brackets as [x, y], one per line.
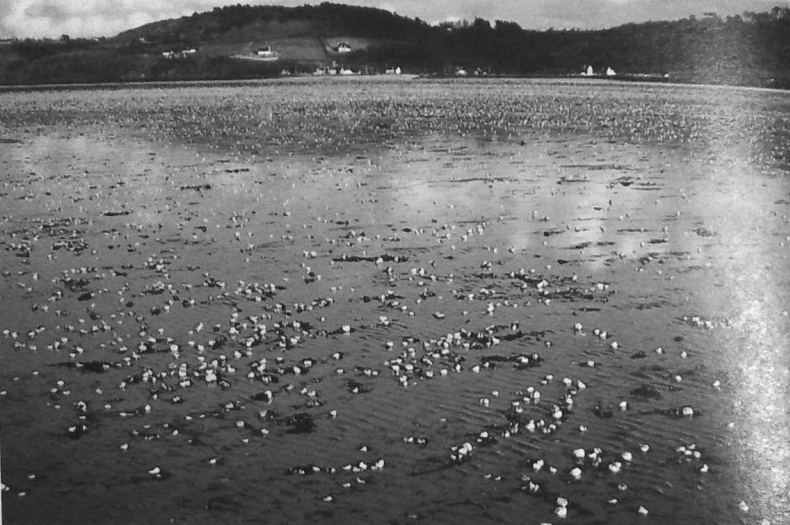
[742, 202]
[759, 353]
[763, 398]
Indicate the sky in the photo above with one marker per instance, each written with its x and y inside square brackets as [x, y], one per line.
[94, 18]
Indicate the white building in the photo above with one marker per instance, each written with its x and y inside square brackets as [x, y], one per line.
[266, 53]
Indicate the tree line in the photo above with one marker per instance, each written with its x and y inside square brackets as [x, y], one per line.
[747, 49]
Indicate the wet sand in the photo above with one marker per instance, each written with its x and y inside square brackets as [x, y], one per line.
[439, 327]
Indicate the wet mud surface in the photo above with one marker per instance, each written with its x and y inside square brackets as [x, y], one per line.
[425, 326]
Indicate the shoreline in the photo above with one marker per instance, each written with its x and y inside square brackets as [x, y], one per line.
[404, 77]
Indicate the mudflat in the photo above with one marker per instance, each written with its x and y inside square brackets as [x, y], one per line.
[395, 302]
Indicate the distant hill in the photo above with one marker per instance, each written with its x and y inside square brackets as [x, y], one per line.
[748, 49]
[242, 22]
[306, 33]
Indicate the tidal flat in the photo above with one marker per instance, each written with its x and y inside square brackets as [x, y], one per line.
[417, 301]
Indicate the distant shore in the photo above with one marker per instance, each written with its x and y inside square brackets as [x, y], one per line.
[379, 77]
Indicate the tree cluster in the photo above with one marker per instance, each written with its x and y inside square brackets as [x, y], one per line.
[747, 49]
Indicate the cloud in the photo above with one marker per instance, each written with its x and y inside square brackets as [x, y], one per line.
[51, 18]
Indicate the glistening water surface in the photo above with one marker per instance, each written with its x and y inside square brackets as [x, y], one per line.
[410, 302]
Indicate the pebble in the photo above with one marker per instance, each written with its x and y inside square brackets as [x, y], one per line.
[237, 332]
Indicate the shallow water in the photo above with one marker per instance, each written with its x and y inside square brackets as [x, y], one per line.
[415, 293]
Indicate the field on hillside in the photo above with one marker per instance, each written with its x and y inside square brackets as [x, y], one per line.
[308, 49]
[400, 301]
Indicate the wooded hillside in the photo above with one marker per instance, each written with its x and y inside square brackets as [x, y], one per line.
[747, 49]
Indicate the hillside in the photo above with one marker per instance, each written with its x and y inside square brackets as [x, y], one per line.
[752, 49]
[240, 22]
